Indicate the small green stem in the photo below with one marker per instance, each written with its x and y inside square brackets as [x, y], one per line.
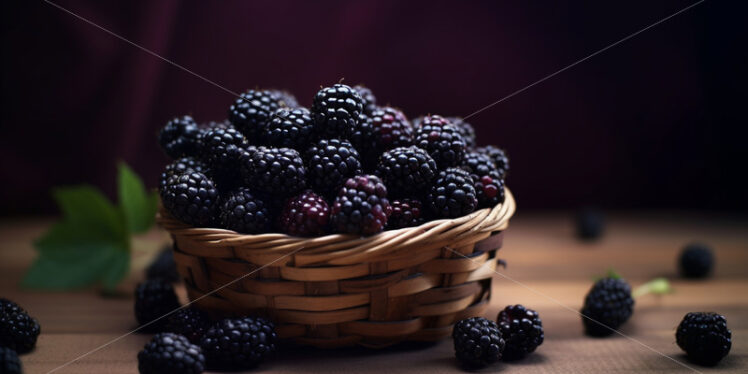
[657, 286]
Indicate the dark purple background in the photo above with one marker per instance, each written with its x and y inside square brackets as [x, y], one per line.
[655, 122]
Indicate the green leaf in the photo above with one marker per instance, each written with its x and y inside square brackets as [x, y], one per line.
[138, 205]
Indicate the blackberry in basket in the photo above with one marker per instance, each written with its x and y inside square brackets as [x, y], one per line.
[441, 140]
[292, 128]
[274, 171]
[452, 194]
[361, 206]
[179, 137]
[330, 162]
[407, 170]
[336, 111]
[251, 111]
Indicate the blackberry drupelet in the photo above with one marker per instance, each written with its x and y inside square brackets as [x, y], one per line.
[169, 353]
[389, 129]
[179, 137]
[499, 158]
[251, 111]
[609, 303]
[590, 224]
[329, 163]
[696, 261]
[405, 213]
[9, 361]
[522, 331]
[284, 98]
[336, 111]
[452, 194]
[466, 130]
[239, 343]
[370, 102]
[243, 212]
[221, 150]
[305, 215]
[163, 267]
[182, 165]
[188, 322]
[441, 140]
[407, 170]
[153, 299]
[477, 342]
[274, 171]
[704, 337]
[18, 330]
[361, 206]
[489, 189]
[478, 163]
[292, 128]
[191, 197]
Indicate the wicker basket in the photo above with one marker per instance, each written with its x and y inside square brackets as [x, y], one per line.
[340, 290]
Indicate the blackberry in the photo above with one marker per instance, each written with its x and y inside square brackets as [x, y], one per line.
[389, 129]
[361, 139]
[191, 197]
[245, 213]
[284, 98]
[361, 206]
[18, 330]
[704, 337]
[251, 111]
[179, 137]
[489, 189]
[405, 213]
[9, 362]
[336, 110]
[153, 299]
[305, 215]
[225, 124]
[590, 224]
[407, 170]
[609, 303]
[452, 194]
[441, 140]
[188, 322]
[370, 102]
[465, 129]
[274, 171]
[477, 342]
[221, 150]
[478, 163]
[163, 267]
[290, 128]
[521, 329]
[330, 162]
[169, 353]
[241, 343]
[499, 158]
[696, 261]
[182, 165]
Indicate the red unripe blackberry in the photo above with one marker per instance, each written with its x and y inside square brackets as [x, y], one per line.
[305, 215]
[361, 206]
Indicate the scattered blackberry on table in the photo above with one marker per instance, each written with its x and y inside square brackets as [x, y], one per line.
[704, 337]
[522, 331]
[498, 156]
[243, 212]
[330, 162]
[9, 362]
[370, 102]
[179, 137]
[292, 128]
[169, 353]
[466, 130]
[407, 170]
[441, 140]
[274, 171]
[696, 261]
[239, 343]
[405, 213]
[609, 303]
[153, 299]
[590, 224]
[284, 98]
[191, 197]
[361, 206]
[163, 267]
[489, 189]
[477, 342]
[182, 165]
[188, 322]
[18, 330]
[305, 215]
[336, 110]
[452, 194]
[478, 163]
[221, 150]
[251, 111]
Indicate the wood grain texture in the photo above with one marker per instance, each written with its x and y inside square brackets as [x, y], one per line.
[542, 257]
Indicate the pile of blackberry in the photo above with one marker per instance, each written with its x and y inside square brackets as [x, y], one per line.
[345, 165]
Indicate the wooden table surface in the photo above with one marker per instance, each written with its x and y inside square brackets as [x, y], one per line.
[542, 255]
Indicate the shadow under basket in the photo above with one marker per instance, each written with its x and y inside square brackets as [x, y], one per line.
[342, 290]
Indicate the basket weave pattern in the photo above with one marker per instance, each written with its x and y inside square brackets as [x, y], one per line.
[340, 290]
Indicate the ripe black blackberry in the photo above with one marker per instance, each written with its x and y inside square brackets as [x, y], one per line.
[499, 158]
[153, 299]
[305, 215]
[274, 171]
[361, 206]
[609, 303]
[251, 111]
[388, 128]
[466, 130]
[163, 267]
[407, 170]
[452, 194]
[179, 137]
[405, 213]
[441, 140]
[191, 197]
[478, 163]
[239, 343]
[361, 139]
[243, 212]
[590, 224]
[292, 128]
[221, 150]
[370, 102]
[18, 330]
[489, 189]
[284, 98]
[336, 110]
[169, 353]
[477, 342]
[521, 329]
[182, 165]
[188, 322]
[696, 261]
[329, 163]
[704, 337]
[9, 361]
